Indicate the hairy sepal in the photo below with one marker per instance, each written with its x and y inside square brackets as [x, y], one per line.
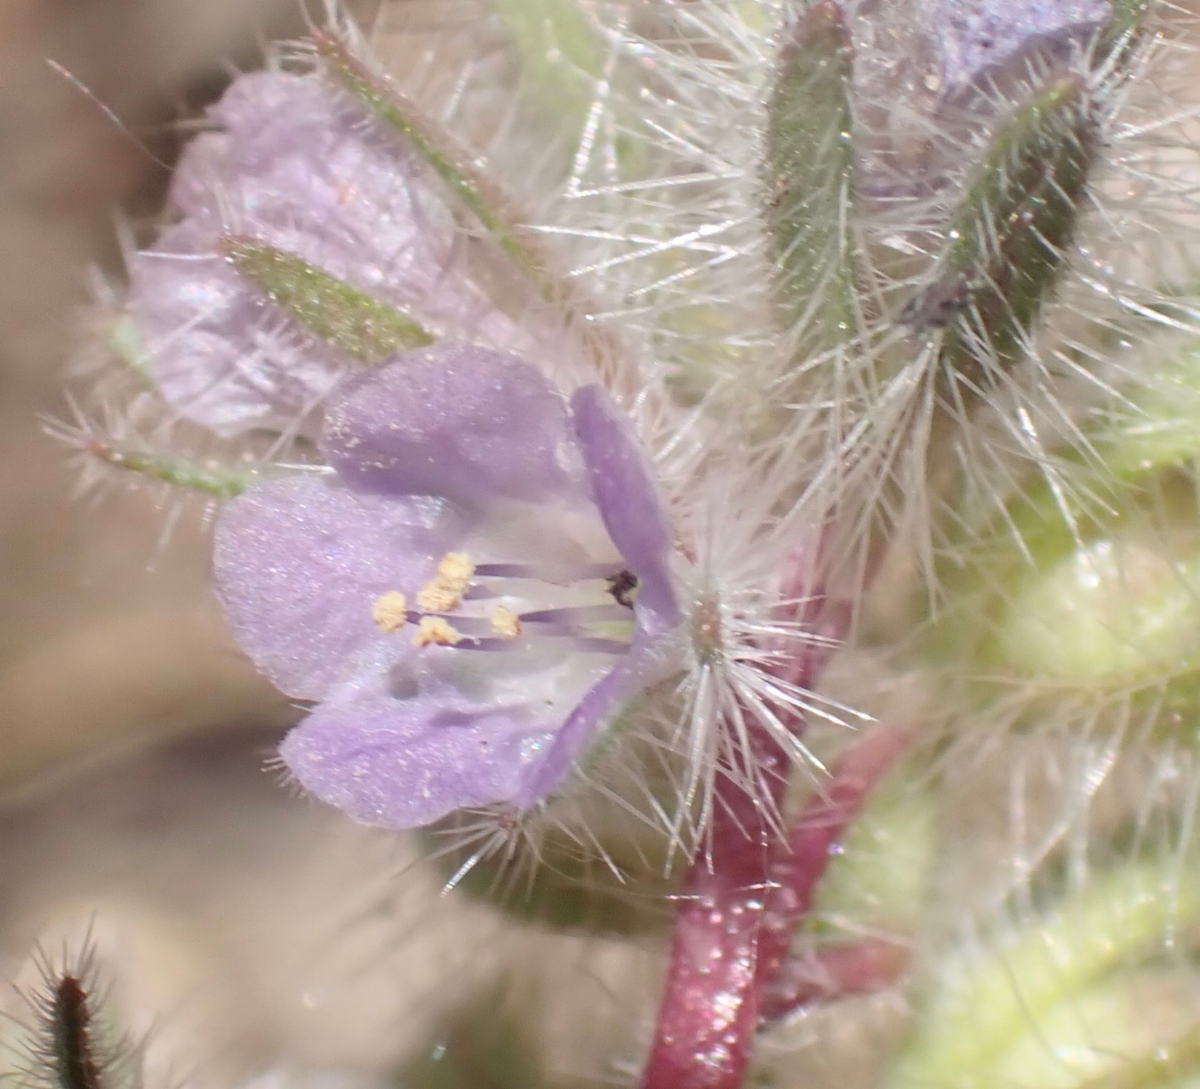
[349, 319]
[1008, 240]
[808, 172]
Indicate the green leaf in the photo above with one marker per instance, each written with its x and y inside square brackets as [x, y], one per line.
[349, 319]
[1089, 576]
[1166, 1065]
[1155, 426]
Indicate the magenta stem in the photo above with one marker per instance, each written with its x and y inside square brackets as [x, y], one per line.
[709, 1012]
[836, 971]
[796, 868]
[745, 895]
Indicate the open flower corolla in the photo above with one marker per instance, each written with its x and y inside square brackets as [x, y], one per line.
[471, 596]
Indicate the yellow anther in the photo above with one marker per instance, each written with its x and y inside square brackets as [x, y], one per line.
[505, 623]
[444, 592]
[434, 629]
[390, 610]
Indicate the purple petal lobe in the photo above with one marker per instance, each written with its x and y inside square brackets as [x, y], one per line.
[640, 667]
[393, 755]
[455, 420]
[623, 486]
[299, 564]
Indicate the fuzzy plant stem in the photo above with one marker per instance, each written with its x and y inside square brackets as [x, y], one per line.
[797, 866]
[741, 905]
[745, 895]
[847, 968]
[709, 1011]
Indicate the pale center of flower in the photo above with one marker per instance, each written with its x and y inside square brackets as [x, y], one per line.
[528, 611]
[485, 606]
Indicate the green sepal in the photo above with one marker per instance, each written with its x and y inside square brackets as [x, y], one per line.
[1006, 242]
[218, 481]
[436, 148]
[1123, 32]
[349, 319]
[563, 885]
[496, 214]
[808, 173]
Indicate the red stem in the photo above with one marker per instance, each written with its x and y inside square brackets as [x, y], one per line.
[744, 896]
[796, 868]
[709, 1012]
[858, 967]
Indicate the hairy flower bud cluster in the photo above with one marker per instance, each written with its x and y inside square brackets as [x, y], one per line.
[841, 371]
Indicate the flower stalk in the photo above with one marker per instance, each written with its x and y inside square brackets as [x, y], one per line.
[751, 885]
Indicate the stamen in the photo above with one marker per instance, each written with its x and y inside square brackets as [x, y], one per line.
[559, 575]
[624, 587]
[602, 646]
[468, 627]
[435, 629]
[444, 592]
[505, 623]
[580, 643]
[441, 621]
[390, 611]
[567, 619]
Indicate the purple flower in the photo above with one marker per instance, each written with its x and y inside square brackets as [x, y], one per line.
[473, 593]
[301, 167]
[976, 36]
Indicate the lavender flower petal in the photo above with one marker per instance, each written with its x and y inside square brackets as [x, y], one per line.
[300, 562]
[314, 175]
[453, 420]
[389, 753]
[301, 167]
[623, 487]
[640, 667]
